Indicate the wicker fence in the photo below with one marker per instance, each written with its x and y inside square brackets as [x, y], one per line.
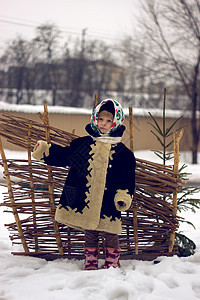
[148, 227]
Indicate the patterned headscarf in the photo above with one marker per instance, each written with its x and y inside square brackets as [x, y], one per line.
[118, 118]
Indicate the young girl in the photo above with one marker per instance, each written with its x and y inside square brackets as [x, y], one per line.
[100, 184]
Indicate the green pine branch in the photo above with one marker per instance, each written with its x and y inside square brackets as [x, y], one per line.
[184, 202]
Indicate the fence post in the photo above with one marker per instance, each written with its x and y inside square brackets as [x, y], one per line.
[135, 223]
[95, 101]
[177, 137]
[45, 118]
[32, 187]
[12, 200]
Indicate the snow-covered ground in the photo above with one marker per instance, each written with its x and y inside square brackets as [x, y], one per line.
[173, 278]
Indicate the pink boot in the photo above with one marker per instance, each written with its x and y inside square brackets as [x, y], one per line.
[112, 258]
[91, 260]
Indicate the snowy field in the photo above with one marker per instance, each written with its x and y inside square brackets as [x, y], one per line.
[173, 278]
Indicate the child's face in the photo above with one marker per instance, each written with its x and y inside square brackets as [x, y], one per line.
[104, 123]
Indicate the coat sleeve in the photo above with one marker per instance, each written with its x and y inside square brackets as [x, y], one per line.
[126, 184]
[59, 156]
[54, 155]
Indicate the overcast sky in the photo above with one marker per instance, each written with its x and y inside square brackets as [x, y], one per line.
[108, 19]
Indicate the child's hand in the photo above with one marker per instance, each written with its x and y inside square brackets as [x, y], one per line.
[122, 200]
[40, 150]
[36, 146]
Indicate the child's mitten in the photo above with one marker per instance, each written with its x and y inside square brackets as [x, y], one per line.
[122, 200]
[40, 150]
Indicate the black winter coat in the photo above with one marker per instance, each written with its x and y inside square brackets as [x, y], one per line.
[101, 174]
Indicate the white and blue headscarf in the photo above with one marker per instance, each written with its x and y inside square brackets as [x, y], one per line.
[112, 106]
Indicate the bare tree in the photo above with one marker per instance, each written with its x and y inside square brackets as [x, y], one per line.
[47, 37]
[89, 66]
[17, 57]
[100, 66]
[73, 67]
[172, 32]
[72, 76]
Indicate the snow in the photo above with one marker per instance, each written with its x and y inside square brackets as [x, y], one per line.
[173, 278]
[32, 109]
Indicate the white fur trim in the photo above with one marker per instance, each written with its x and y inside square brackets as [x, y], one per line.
[64, 217]
[40, 149]
[90, 218]
[108, 139]
[122, 195]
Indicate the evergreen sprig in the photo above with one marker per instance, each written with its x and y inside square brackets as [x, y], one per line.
[184, 202]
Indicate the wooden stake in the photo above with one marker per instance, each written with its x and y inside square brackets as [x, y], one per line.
[45, 119]
[131, 129]
[12, 200]
[32, 188]
[95, 101]
[177, 137]
[135, 223]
